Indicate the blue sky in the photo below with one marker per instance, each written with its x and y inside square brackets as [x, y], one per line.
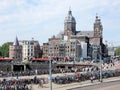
[41, 19]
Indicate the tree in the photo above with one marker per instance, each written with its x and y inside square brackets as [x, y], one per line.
[117, 51]
[0, 52]
[4, 50]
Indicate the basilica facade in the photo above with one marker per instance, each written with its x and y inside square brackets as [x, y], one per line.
[76, 44]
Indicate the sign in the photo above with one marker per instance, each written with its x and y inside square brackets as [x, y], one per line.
[50, 77]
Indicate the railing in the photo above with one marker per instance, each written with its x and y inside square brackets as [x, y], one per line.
[82, 63]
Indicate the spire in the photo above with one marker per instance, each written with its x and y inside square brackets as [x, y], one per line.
[96, 16]
[16, 42]
[97, 20]
[69, 12]
[69, 8]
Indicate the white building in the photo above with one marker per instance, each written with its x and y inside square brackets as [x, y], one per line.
[30, 49]
[84, 49]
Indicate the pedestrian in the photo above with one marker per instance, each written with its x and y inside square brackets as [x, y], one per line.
[40, 83]
[91, 78]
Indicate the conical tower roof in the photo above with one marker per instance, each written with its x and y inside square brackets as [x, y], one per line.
[16, 42]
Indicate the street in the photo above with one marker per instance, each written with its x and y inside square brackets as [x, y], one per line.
[114, 85]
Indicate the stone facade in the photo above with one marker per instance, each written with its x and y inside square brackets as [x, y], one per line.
[15, 50]
[92, 40]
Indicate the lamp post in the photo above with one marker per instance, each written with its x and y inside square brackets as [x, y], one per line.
[75, 52]
[50, 66]
[100, 55]
[50, 73]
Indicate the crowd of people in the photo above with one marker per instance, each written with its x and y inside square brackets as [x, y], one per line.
[112, 65]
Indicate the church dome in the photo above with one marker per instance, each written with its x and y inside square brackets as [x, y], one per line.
[70, 18]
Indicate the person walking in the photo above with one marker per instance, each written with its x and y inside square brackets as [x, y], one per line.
[40, 83]
[91, 78]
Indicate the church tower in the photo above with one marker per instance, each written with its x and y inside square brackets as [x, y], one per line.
[15, 50]
[69, 24]
[98, 28]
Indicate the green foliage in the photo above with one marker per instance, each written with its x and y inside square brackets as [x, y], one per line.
[0, 52]
[117, 51]
[4, 50]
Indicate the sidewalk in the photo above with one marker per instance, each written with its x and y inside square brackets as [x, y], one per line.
[73, 85]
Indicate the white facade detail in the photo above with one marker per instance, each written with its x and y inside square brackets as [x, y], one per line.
[84, 49]
[65, 38]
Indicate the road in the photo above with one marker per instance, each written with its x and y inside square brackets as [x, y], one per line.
[114, 85]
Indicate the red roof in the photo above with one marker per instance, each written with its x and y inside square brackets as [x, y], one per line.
[40, 59]
[5, 59]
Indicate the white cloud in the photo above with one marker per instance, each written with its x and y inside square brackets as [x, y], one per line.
[17, 16]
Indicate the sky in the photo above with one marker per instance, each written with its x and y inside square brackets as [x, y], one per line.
[41, 19]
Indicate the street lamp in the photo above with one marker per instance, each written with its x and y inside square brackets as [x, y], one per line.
[50, 66]
[50, 73]
[75, 51]
[100, 55]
